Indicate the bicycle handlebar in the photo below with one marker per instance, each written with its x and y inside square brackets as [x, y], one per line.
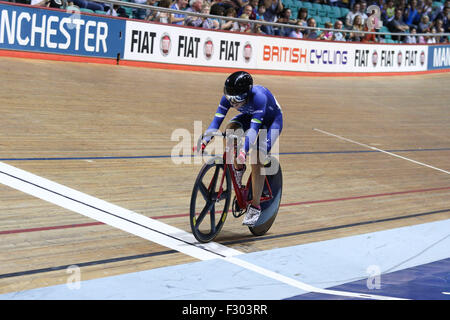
[216, 134]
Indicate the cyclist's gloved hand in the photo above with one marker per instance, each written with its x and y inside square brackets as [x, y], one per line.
[202, 147]
[241, 157]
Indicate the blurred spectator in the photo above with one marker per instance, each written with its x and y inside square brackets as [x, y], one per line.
[139, 13]
[357, 26]
[178, 18]
[439, 26]
[389, 11]
[89, 5]
[255, 6]
[285, 17]
[257, 29]
[444, 16]
[411, 38]
[424, 24]
[59, 4]
[245, 26]
[273, 8]
[438, 10]
[427, 8]
[39, 3]
[236, 4]
[113, 11]
[117, 11]
[380, 3]
[259, 17]
[397, 25]
[209, 23]
[343, 3]
[260, 12]
[401, 4]
[338, 36]
[302, 18]
[326, 34]
[371, 24]
[296, 33]
[351, 15]
[194, 21]
[217, 10]
[311, 33]
[248, 10]
[411, 14]
[421, 39]
[158, 16]
[229, 24]
[431, 39]
[362, 11]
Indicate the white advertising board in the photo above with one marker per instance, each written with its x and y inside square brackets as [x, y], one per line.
[189, 46]
[177, 45]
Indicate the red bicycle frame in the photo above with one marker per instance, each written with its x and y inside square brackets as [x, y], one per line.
[240, 192]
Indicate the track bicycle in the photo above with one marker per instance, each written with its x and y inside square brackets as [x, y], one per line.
[213, 188]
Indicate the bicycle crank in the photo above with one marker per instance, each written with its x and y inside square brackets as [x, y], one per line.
[237, 212]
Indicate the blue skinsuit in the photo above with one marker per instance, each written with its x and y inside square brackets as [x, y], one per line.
[261, 109]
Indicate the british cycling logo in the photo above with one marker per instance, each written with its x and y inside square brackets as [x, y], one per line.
[165, 44]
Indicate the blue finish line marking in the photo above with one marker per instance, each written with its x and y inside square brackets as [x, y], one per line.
[191, 156]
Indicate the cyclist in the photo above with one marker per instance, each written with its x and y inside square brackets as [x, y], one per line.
[258, 109]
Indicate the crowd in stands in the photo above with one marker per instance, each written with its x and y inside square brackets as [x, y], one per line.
[408, 17]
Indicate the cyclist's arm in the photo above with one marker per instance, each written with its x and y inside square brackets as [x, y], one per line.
[220, 114]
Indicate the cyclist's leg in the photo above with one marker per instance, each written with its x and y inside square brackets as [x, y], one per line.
[241, 121]
[264, 145]
[273, 133]
[254, 209]
[257, 183]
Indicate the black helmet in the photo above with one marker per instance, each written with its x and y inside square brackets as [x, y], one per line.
[237, 86]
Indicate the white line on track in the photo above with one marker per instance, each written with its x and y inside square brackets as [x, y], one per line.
[144, 227]
[380, 150]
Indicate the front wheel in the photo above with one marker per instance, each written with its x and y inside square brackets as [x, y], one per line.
[210, 200]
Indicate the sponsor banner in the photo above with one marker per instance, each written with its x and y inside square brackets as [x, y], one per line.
[32, 29]
[382, 58]
[439, 57]
[170, 44]
[188, 46]
[303, 55]
[321, 56]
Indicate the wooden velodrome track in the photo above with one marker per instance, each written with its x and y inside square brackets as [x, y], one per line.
[59, 119]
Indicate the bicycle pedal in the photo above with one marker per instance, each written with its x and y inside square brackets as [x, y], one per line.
[238, 214]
